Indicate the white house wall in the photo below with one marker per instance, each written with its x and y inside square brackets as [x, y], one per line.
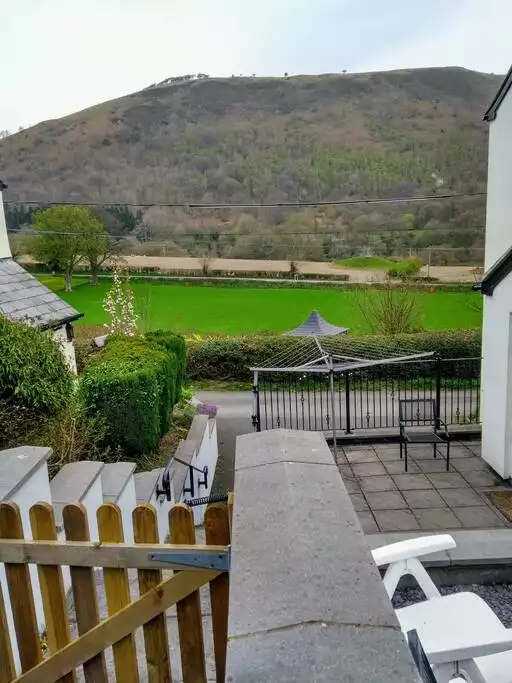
[5, 250]
[496, 409]
[67, 347]
[498, 237]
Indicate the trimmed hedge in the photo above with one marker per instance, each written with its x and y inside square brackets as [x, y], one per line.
[229, 359]
[175, 346]
[132, 383]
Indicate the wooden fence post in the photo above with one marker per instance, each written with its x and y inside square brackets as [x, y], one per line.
[216, 523]
[7, 670]
[145, 530]
[20, 592]
[84, 590]
[117, 592]
[42, 521]
[190, 626]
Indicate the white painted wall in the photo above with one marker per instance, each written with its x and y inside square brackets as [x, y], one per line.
[162, 507]
[67, 347]
[127, 501]
[5, 250]
[206, 454]
[92, 501]
[496, 408]
[498, 236]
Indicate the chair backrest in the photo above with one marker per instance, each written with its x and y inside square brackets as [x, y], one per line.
[420, 658]
[417, 411]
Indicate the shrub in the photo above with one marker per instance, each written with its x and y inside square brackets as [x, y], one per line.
[18, 424]
[229, 359]
[131, 383]
[391, 310]
[73, 435]
[33, 372]
[406, 268]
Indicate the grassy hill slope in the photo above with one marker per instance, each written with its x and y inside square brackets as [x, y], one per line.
[244, 140]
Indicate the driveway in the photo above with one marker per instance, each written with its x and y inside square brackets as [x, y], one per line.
[234, 409]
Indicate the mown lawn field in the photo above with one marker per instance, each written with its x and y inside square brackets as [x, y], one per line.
[230, 310]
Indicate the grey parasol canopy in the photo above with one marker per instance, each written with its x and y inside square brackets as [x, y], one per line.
[316, 326]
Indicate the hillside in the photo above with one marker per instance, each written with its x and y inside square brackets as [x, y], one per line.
[245, 140]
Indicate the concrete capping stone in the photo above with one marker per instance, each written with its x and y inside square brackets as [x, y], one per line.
[282, 445]
[145, 484]
[17, 465]
[306, 599]
[71, 484]
[197, 429]
[114, 478]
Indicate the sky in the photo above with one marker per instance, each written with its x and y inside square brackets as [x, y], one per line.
[61, 56]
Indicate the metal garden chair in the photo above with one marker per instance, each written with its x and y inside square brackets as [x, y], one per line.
[420, 423]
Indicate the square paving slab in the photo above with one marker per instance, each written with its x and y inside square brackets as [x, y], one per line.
[380, 483]
[427, 497]
[397, 467]
[396, 520]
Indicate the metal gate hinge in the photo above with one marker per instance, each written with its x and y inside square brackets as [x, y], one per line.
[219, 560]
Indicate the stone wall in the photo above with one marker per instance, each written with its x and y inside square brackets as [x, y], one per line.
[306, 600]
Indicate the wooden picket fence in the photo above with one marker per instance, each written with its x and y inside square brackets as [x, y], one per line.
[63, 653]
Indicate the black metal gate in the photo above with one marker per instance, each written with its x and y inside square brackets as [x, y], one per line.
[366, 397]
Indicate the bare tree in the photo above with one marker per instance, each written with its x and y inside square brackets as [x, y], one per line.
[205, 262]
[391, 309]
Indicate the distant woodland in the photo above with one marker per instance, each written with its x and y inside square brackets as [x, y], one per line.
[270, 140]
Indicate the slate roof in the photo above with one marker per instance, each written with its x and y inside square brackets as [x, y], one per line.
[491, 112]
[496, 274]
[316, 326]
[24, 298]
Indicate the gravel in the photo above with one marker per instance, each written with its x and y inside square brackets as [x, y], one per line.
[497, 595]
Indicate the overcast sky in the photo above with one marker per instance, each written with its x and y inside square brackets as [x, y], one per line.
[60, 56]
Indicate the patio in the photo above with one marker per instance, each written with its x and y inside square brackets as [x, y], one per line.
[427, 498]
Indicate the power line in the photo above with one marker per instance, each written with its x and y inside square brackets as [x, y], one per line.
[271, 205]
[212, 236]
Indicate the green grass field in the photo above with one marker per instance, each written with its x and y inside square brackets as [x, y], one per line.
[371, 262]
[230, 310]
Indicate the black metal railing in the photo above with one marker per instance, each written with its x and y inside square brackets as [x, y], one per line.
[367, 398]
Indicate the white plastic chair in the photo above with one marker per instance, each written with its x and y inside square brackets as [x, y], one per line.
[460, 634]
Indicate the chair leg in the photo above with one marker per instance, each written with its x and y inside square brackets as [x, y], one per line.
[401, 449]
[405, 446]
[448, 455]
[435, 450]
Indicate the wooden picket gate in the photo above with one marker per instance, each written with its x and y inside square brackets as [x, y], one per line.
[64, 654]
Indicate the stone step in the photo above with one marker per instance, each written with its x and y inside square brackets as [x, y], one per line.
[115, 476]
